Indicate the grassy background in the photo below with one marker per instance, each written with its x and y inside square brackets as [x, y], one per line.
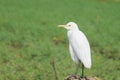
[30, 39]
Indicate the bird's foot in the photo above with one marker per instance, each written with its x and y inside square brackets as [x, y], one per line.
[84, 77]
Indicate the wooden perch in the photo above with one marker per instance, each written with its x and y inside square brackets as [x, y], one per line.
[76, 77]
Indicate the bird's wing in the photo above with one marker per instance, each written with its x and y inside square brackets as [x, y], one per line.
[73, 56]
[81, 48]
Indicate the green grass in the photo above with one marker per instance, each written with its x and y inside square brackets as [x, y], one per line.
[30, 39]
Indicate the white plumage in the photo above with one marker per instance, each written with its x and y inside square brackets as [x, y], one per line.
[78, 44]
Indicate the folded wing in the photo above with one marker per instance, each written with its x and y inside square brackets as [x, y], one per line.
[81, 48]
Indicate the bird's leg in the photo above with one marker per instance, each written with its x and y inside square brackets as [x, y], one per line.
[77, 67]
[82, 71]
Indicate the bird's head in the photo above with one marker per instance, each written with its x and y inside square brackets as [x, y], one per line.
[69, 26]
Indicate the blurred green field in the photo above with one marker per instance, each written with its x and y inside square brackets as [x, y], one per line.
[30, 39]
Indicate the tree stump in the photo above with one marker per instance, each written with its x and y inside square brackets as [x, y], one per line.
[76, 77]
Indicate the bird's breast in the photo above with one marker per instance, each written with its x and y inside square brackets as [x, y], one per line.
[71, 35]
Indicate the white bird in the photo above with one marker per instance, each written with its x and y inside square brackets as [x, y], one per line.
[79, 47]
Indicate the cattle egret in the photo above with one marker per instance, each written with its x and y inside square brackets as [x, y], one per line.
[78, 46]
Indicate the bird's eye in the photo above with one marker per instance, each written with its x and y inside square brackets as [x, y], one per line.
[69, 25]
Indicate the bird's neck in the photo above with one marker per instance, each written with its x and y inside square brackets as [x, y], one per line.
[70, 32]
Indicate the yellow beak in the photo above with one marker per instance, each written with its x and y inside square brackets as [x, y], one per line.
[62, 26]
